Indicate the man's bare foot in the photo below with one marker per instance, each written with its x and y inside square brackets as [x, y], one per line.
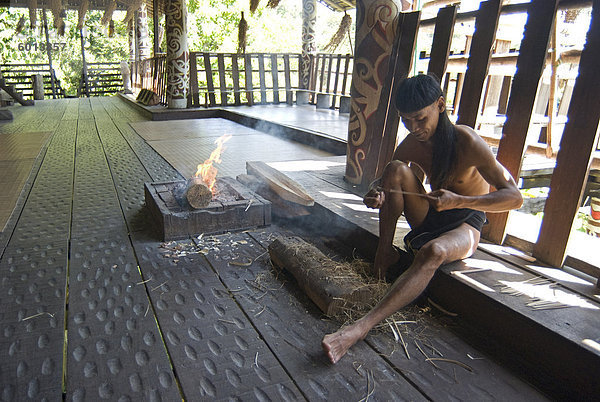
[337, 344]
[385, 257]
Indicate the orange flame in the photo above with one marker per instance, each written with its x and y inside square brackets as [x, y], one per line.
[206, 170]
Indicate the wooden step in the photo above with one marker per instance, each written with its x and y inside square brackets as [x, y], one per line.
[18, 96]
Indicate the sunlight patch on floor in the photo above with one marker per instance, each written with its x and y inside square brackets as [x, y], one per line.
[490, 265]
[549, 293]
[303, 165]
[341, 196]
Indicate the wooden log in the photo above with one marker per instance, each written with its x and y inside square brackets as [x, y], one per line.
[319, 276]
[198, 194]
[281, 184]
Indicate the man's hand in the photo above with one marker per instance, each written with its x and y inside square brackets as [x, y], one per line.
[374, 199]
[442, 200]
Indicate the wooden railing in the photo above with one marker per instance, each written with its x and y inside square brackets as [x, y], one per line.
[102, 79]
[19, 76]
[222, 79]
[331, 74]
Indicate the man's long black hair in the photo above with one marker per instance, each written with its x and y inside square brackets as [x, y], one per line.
[416, 93]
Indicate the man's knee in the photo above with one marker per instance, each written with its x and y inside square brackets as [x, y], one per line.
[396, 170]
[433, 254]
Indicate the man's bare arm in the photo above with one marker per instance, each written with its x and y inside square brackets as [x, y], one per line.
[505, 194]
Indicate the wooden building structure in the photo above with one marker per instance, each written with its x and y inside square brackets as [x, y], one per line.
[372, 135]
[385, 46]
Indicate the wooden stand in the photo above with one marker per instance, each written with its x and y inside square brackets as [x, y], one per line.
[281, 184]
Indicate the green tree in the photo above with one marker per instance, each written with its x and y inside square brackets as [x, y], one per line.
[29, 46]
[212, 26]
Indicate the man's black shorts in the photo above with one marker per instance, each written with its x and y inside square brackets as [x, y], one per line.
[436, 223]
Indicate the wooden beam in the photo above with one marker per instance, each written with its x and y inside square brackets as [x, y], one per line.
[281, 184]
[248, 76]
[289, 96]
[329, 68]
[337, 80]
[222, 81]
[480, 54]
[235, 72]
[210, 86]
[261, 75]
[275, 77]
[322, 74]
[442, 39]
[194, 96]
[346, 67]
[530, 66]
[403, 64]
[504, 94]
[573, 159]
[516, 8]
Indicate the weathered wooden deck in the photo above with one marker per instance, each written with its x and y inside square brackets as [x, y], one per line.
[94, 306]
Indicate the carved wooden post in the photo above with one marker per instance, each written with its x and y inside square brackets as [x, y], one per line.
[131, 39]
[178, 55]
[142, 36]
[375, 29]
[309, 19]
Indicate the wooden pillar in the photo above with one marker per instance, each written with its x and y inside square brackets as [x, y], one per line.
[156, 26]
[309, 20]
[142, 35]
[480, 54]
[376, 23]
[49, 52]
[84, 72]
[178, 55]
[131, 40]
[442, 39]
[579, 138]
[530, 65]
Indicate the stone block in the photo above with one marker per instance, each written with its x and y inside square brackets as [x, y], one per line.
[6, 115]
[345, 104]
[302, 97]
[323, 101]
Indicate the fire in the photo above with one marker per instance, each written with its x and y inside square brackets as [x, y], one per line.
[206, 170]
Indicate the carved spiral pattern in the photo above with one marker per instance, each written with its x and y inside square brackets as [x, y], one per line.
[309, 20]
[178, 55]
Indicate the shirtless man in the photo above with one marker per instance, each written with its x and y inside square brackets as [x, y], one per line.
[445, 222]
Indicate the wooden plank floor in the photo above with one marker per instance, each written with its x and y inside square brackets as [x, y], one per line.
[146, 320]
[305, 117]
[20, 144]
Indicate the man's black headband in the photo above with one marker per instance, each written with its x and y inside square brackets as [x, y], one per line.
[418, 92]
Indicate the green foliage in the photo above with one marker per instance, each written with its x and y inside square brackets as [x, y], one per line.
[30, 45]
[212, 26]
